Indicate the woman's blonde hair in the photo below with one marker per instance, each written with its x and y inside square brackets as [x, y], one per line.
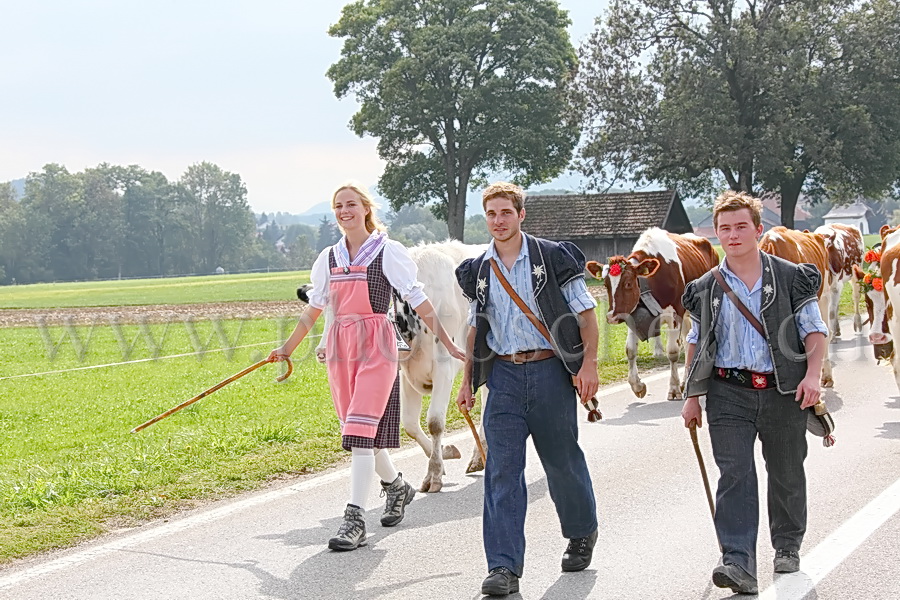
[372, 220]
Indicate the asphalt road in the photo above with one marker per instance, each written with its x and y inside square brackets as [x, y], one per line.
[656, 536]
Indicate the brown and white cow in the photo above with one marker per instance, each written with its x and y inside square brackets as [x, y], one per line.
[845, 247]
[667, 261]
[885, 320]
[805, 247]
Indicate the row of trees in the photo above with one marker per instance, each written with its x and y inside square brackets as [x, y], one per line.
[113, 221]
[774, 96]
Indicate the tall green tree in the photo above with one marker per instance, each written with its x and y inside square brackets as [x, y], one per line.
[12, 243]
[154, 222]
[759, 95]
[455, 90]
[220, 220]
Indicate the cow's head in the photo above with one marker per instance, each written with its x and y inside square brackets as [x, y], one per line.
[620, 276]
[834, 249]
[408, 322]
[880, 311]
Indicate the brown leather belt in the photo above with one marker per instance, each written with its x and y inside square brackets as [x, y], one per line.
[527, 356]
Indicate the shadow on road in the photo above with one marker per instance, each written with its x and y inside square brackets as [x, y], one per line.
[639, 413]
[351, 575]
[890, 430]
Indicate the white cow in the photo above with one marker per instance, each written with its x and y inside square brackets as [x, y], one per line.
[428, 369]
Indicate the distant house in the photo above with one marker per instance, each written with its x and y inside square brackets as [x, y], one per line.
[858, 214]
[604, 225]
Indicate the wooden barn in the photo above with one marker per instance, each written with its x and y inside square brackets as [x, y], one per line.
[604, 225]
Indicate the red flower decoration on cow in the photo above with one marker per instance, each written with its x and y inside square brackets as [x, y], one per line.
[615, 269]
[872, 256]
[871, 279]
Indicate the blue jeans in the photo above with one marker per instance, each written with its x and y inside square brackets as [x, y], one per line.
[736, 416]
[533, 399]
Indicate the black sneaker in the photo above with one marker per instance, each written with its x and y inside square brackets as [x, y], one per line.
[579, 553]
[787, 561]
[500, 582]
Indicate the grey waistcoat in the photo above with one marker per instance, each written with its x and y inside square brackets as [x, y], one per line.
[786, 288]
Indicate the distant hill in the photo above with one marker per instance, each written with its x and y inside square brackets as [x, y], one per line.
[19, 187]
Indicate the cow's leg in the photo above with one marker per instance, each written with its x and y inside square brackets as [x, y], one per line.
[857, 318]
[657, 347]
[673, 350]
[443, 374]
[834, 324]
[476, 463]
[631, 346]
[410, 409]
[825, 308]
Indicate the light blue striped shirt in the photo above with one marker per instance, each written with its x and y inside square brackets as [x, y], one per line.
[511, 331]
[739, 345]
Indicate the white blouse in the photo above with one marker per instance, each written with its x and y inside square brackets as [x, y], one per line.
[399, 269]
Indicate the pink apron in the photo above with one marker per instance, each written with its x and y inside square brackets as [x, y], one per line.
[361, 354]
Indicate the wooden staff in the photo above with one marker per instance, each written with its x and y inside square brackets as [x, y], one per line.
[221, 384]
[465, 412]
[709, 498]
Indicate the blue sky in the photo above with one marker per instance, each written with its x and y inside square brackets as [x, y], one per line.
[167, 84]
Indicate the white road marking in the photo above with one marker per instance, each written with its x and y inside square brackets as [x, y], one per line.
[832, 551]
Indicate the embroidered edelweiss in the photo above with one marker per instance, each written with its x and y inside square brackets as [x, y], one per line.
[482, 284]
[768, 289]
[715, 303]
[538, 271]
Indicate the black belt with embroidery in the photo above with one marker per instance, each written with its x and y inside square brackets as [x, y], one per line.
[747, 379]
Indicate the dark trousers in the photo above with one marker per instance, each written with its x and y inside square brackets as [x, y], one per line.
[533, 399]
[736, 416]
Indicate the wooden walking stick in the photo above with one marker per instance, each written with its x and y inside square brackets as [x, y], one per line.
[221, 384]
[709, 498]
[465, 412]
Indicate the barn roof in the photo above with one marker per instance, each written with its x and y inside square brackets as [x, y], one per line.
[580, 216]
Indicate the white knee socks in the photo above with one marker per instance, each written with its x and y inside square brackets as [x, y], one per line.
[384, 466]
[362, 467]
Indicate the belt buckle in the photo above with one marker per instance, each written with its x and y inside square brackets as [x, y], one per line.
[515, 358]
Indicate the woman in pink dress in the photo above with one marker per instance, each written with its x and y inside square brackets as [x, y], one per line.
[356, 277]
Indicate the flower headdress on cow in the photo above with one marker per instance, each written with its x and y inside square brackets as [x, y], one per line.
[871, 279]
[616, 265]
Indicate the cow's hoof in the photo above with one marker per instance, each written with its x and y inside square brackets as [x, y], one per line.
[828, 382]
[450, 452]
[431, 485]
[475, 465]
[857, 323]
[674, 397]
[641, 390]
[320, 356]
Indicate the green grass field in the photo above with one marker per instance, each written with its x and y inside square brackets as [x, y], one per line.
[176, 290]
[71, 470]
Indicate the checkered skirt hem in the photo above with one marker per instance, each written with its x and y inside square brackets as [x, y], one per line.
[388, 434]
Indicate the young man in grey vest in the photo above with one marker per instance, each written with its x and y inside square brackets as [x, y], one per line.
[755, 386]
[531, 382]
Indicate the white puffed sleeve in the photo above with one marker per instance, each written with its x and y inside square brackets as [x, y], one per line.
[402, 273]
[320, 277]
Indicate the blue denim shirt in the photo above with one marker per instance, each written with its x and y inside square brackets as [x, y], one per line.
[739, 345]
[517, 333]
